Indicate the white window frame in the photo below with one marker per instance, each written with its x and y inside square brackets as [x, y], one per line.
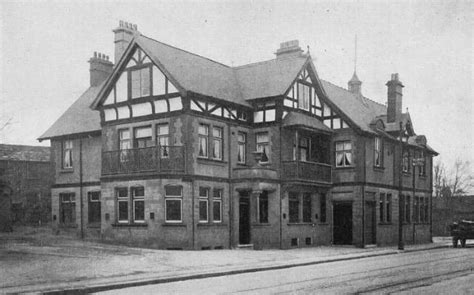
[174, 198]
[125, 199]
[219, 139]
[242, 147]
[164, 149]
[138, 199]
[262, 146]
[344, 151]
[217, 198]
[204, 199]
[205, 137]
[67, 148]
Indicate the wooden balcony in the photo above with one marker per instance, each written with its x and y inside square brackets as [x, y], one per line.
[163, 159]
[306, 171]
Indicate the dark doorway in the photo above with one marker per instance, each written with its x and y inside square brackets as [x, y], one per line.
[342, 223]
[244, 220]
[369, 221]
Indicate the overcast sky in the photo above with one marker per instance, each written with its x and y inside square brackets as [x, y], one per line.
[45, 46]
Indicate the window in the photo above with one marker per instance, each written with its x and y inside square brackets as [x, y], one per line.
[422, 205]
[140, 82]
[378, 152]
[162, 138]
[307, 207]
[138, 196]
[407, 209]
[382, 208]
[217, 206]
[423, 165]
[67, 154]
[203, 135]
[94, 207]
[304, 148]
[303, 96]
[173, 203]
[217, 143]
[263, 146]
[343, 154]
[427, 201]
[294, 207]
[263, 207]
[203, 204]
[322, 206]
[122, 202]
[142, 137]
[242, 147]
[406, 162]
[68, 208]
[265, 112]
[388, 206]
[124, 144]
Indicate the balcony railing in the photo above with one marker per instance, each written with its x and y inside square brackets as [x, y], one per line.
[166, 159]
[308, 171]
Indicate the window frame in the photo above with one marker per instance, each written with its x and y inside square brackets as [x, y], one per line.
[136, 199]
[205, 138]
[139, 70]
[124, 144]
[217, 198]
[307, 215]
[90, 201]
[164, 149]
[174, 198]
[122, 199]
[67, 150]
[203, 199]
[72, 207]
[241, 147]
[294, 197]
[406, 161]
[147, 140]
[219, 140]
[263, 146]
[344, 151]
[378, 152]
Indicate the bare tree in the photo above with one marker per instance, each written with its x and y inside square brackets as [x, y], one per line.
[462, 181]
[439, 178]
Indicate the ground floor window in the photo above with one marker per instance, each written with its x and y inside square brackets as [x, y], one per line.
[263, 207]
[173, 203]
[323, 208]
[203, 204]
[138, 198]
[300, 207]
[67, 208]
[217, 206]
[93, 206]
[122, 204]
[385, 208]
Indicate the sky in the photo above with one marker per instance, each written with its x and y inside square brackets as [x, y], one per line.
[45, 46]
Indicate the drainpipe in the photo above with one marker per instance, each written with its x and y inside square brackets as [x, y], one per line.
[414, 192]
[401, 245]
[431, 199]
[230, 186]
[281, 193]
[192, 214]
[363, 193]
[80, 188]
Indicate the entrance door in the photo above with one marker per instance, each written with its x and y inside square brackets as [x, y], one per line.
[342, 223]
[244, 220]
[369, 221]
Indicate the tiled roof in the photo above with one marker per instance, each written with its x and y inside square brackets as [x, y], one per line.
[78, 118]
[302, 120]
[24, 153]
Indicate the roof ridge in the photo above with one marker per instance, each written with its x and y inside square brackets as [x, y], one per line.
[23, 145]
[342, 88]
[174, 47]
[253, 64]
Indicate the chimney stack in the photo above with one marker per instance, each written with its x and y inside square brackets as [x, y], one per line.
[100, 68]
[394, 96]
[123, 35]
[354, 85]
[289, 48]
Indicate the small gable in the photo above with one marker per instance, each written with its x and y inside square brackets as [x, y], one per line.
[306, 95]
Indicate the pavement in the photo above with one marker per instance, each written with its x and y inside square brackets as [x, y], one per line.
[34, 260]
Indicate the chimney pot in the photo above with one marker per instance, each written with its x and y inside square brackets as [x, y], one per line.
[123, 35]
[394, 99]
[100, 68]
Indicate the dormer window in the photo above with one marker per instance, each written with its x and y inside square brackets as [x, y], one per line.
[140, 82]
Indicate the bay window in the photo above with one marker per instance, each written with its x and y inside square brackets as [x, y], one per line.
[343, 154]
[263, 145]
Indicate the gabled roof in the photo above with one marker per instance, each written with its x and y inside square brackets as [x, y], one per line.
[78, 118]
[14, 152]
[269, 78]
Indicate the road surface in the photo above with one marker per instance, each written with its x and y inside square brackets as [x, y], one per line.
[439, 271]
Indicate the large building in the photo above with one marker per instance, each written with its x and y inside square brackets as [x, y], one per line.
[173, 150]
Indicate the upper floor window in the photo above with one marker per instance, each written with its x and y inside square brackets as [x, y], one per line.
[303, 148]
[124, 144]
[343, 154]
[423, 164]
[217, 143]
[263, 145]
[242, 147]
[406, 161]
[67, 154]
[265, 112]
[303, 96]
[140, 82]
[203, 137]
[162, 139]
[142, 137]
[378, 152]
